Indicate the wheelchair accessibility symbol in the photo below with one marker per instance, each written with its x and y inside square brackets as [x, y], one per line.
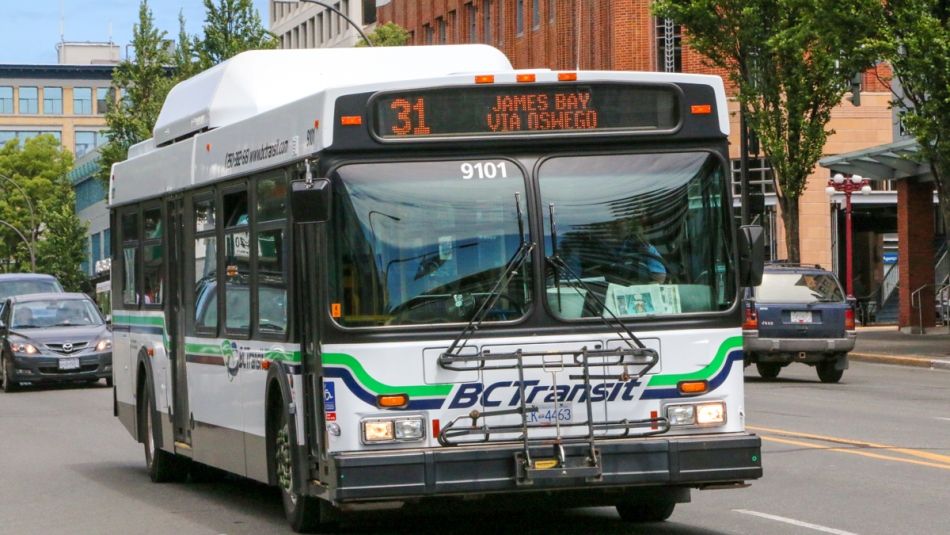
[329, 397]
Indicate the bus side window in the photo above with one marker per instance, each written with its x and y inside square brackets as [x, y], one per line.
[129, 228]
[205, 253]
[271, 263]
[152, 257]
[237, 263]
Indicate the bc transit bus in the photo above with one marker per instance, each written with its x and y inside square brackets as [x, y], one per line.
[382, 276]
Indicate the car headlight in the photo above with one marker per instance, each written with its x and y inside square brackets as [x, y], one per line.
[697, 414]
[104, 344]
[378, 430]
[23, 347]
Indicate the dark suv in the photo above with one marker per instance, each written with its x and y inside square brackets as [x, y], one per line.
[798, 314]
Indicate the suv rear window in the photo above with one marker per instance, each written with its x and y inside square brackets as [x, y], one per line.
[23, 287]
[799, 288]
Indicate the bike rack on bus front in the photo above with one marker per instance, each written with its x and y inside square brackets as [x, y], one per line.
[559, 465]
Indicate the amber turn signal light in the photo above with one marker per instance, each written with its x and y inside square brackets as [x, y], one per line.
[692, 387]
[392, 401]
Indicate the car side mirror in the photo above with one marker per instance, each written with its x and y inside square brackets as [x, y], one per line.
[310, 200]
[751, 255]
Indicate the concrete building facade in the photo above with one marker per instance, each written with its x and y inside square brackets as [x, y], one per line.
[310, 25]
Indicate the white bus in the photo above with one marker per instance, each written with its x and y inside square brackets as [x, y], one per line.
[386, 275]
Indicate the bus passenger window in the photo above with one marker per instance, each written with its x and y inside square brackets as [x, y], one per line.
[235, 209]
[129, 296]
[271, 282]
[237, 281]
[152, 223]
[272, 198]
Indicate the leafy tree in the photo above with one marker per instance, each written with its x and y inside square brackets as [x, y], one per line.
[231, 27]
[389, 34]
[917, 43]
[144, 83]
[39, 167]
[791, 62]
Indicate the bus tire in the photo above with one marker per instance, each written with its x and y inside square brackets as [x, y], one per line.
[305, 514]
[647, 510]
[828, 372]
[162, 466]
[768, 370]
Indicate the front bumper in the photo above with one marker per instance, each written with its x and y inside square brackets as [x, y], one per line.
[692, 461]
[752, 343]
[46, 369]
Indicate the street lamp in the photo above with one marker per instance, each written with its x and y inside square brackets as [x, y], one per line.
[333, 9]
[848, 185]
[32, 241]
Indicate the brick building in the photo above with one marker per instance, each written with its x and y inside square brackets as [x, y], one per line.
[624, 35]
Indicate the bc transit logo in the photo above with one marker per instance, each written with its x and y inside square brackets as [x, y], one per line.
[232, 358]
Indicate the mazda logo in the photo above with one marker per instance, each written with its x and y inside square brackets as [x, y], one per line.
[67, 347]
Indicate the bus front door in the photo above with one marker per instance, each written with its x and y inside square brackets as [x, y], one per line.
[175, 319]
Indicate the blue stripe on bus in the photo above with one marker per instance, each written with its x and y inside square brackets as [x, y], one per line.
[370, 399]
[718, 379]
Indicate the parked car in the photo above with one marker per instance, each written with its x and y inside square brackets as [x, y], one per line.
[27, 283]
[798, 314]
[53, 337]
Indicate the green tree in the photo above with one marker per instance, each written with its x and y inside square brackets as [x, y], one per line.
[231, 27]
[791, 62]
[144, 83]
[389, 34]
[917, 43]
[39, 167]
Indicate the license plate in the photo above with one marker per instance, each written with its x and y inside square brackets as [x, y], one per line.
[69, 364]
[801, 317]
[548, 414]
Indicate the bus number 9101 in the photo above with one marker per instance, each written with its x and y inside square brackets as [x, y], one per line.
[484, 170]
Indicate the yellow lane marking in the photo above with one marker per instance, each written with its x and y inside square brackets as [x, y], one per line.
[906, 451]
[856, 452]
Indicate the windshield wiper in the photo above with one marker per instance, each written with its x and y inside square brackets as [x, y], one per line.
[508, 273]
[559, 265]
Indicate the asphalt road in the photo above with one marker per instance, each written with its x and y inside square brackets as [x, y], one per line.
[868, 456]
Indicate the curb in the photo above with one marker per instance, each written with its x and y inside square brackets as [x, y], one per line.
[899, 360]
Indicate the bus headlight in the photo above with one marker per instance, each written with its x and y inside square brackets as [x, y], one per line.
[701, 414]
[378, 430]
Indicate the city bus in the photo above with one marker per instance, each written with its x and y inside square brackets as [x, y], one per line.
[387, 276]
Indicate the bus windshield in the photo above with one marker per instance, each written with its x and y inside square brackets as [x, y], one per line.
[425, 242]
[646, 234]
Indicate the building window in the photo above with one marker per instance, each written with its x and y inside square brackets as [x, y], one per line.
[486, 19]
[369, 12]
[107, 243]
[760, 177]
[427, 33]
[519, 17]
[440, 22]
[88, 193]
[551, 12]
[53, 100]
[96, 248]
[23, 135]
[82, 100]
[536, 13]
[104, 99]
[85, 142]
[29, 100]
[6, 100]
[472, 22]
[669, 50]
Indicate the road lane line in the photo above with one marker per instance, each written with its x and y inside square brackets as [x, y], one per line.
[907, 451]
[794, 522]
[855, 452]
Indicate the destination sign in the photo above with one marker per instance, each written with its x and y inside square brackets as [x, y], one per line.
[507, 110]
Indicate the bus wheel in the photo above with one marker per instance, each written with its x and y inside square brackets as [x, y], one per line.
[305, 514]
[768, 370]
[827, 371]
[162, 466]
[650, 510]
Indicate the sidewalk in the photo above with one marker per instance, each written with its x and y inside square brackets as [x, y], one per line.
[887, 345]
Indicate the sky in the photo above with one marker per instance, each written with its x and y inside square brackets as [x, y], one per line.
[30, 29]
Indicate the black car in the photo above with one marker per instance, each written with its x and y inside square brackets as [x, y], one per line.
[798, 314]
[53, 337]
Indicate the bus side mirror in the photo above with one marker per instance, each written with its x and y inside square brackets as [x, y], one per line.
[751, 255]
[310, 200]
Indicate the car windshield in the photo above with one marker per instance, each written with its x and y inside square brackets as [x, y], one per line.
[799, 288]
[23, 287]
[425, 242]
[54, 313]
[646, 234]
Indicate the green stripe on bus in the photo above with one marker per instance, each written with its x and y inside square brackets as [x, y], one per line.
[708, 371]
[340, 359]
[157, 321]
